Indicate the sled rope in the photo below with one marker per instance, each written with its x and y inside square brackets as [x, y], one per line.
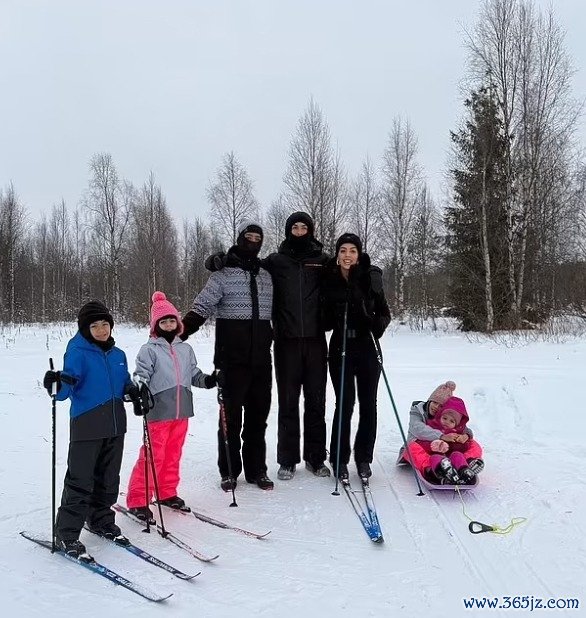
[477, 527]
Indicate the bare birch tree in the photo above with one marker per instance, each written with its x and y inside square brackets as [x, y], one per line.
[231, 197]
[401, 194]
[109, 202]
[364, 200]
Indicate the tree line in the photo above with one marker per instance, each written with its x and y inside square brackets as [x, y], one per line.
[503, 246]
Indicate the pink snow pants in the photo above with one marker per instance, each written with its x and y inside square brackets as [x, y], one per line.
[167, 439]
[422, 459]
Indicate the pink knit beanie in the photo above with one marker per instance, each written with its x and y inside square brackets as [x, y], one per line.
[162, 308]
[443, 392]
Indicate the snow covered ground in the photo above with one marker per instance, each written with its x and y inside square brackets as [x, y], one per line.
[527, 409]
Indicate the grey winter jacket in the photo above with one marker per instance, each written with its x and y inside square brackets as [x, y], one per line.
[418, 429]
[227, 295]
[170, 370]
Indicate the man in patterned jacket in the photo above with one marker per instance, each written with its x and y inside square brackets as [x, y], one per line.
[241, 297]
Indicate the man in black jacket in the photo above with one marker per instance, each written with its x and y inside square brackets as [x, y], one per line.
[300, 347]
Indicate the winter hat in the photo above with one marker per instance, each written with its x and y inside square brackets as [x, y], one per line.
[443, 392]
[351, 239]
[92, 312]
[299, 217]
[247, 248]
[162, 308]
[250, 226]
[457, 405]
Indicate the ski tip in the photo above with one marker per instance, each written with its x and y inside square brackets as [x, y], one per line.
[187, 578]
[161, 599]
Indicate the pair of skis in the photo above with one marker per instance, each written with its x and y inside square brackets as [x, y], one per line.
[104, 571]
[367, 513]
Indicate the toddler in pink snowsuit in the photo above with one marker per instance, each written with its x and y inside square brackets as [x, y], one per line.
[447, 459]
[169, 368]
[425, 429]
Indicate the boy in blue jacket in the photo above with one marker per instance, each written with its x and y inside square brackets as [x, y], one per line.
[95, 378]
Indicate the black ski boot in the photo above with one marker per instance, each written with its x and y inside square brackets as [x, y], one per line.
[177, 503]
[227, 483]
[111, 532]
[468, 473]
[143, 513]
[446, 472]
[364, 471]
[74, 548]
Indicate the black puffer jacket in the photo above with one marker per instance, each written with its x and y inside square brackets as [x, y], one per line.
[368, 309]
[297, 277]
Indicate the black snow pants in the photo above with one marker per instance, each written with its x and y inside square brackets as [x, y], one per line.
[249, 388]
[91, 485]
[301, 363]
[361, 376]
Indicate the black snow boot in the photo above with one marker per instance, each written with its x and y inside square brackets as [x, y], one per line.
[286, 473]
[320, 469]
[262, 480]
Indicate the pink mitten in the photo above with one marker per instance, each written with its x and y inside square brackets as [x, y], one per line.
[439, 446]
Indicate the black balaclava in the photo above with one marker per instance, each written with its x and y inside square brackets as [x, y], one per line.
[246, 248]
[93, 312]
[299, 243]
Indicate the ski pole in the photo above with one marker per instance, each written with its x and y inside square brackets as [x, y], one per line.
[379, 357]
[147, 498]
[149, 450]
[224, 424]
[53, 449]
[341, 400]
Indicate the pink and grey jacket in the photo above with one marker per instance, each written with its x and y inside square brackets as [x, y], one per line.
[170, 371]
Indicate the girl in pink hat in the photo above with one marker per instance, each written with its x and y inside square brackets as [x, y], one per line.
[432, 436]
[169, 367]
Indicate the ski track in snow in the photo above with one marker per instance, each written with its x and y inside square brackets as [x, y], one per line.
[525, 407]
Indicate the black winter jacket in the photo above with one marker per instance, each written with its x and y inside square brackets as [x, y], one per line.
[296, 285]
[368, 309]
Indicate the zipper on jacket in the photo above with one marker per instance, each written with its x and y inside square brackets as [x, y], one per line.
[112, 391]
[178, 378]
[301, 298]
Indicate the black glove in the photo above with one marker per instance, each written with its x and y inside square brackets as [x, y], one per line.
[145, 402]
[210, 381]
[220, 378]
[52, 377]
[191, 324]
[132, 392]
[378, 327]
[216, 261]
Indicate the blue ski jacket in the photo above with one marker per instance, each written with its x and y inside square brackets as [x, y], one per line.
[97, 408]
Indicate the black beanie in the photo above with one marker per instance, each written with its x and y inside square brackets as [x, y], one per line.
[92, 312]
[299, 217]
[350, 239]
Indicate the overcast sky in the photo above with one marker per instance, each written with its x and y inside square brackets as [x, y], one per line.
[171, 86]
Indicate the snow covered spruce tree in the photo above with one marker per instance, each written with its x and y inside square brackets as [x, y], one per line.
[521, 52]
[477, 221]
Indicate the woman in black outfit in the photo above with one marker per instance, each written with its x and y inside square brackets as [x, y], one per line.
[351, 280]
